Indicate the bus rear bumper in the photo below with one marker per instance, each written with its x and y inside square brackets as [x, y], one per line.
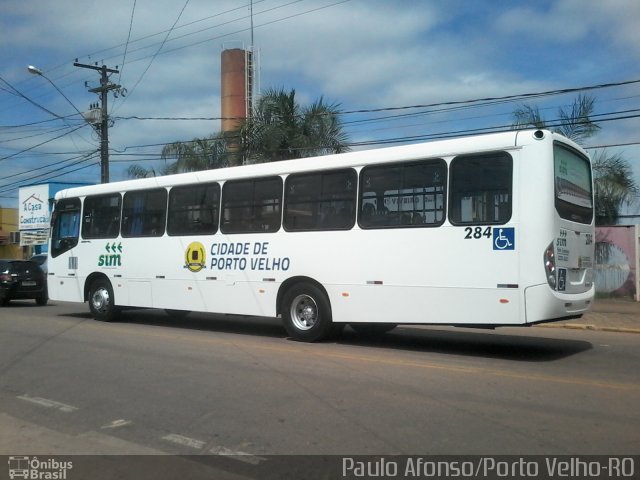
[544, 305]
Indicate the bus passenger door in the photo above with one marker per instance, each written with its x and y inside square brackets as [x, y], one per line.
[63, 280]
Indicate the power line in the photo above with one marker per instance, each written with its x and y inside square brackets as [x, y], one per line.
[40, 176]
[474, 103]
[60, 171]
[165, 31]
[405, 139]
[610, 145]
[126, 46]
[218, 36]
[40, 144]
[18, 93]
[157, 51]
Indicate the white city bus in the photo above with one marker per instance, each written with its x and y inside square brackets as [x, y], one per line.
[480, 231]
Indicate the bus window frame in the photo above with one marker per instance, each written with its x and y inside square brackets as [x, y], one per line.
[250, 203]
[455, 210]
[171, 227]
[87, 236]
[567, 210]
[431, 162]
[127, 233]
[318, 200]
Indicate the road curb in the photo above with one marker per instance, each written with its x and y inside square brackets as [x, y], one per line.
[584, 326]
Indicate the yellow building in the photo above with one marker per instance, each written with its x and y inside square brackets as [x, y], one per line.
[9, 241]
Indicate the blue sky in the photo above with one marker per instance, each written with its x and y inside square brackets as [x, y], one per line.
[363, 54]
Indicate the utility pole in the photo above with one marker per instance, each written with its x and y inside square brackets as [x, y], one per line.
[103, 89]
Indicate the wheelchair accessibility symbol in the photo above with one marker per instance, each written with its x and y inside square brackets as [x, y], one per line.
[504, 238]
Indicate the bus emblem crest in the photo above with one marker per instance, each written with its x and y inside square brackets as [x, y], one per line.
[195, 257]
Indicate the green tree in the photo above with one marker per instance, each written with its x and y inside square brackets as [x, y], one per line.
[282, 129]
[138, 171]
[614, 184]
[279, 129]
[198, 154]
[613, 179]
[575, 124]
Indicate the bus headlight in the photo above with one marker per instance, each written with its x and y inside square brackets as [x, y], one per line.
[550, 265]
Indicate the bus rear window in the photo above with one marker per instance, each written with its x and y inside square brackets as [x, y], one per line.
[574, 196]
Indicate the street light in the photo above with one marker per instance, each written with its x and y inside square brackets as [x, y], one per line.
[102, 126]
[36, 71]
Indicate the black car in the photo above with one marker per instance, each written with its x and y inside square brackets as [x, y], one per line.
[20, 279]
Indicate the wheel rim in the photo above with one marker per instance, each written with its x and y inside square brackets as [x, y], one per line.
[304, 312]
[100, 299]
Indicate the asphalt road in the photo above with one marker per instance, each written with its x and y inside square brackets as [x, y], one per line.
[227, 384]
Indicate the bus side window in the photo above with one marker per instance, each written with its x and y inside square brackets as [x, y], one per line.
[251, 206]
[193, 209]
[481, 189]
[410, 194]
[101, 217]
[320, 200]
[144, 213]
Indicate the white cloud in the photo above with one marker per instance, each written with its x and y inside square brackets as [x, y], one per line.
[569, 21]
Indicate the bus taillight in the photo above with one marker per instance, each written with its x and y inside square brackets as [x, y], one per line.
[550, 265]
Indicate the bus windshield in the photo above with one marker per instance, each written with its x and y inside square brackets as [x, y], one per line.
[572, 185]
[65, 224]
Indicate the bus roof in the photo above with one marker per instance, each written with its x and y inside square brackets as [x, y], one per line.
[440, 148]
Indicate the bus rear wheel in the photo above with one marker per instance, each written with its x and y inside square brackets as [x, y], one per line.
[101, 301]
[306, 314]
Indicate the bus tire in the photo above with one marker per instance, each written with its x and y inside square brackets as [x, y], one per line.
[101, 301]
[306, 314]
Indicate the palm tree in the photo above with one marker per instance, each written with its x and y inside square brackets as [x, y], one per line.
[281, 129]
[138, 171]
[575, 124]
[614, 186]
[198, 154]
[612, 174]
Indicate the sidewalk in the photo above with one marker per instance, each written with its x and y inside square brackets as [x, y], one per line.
[607, 314]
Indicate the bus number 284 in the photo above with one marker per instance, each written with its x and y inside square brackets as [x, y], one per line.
[477, 232]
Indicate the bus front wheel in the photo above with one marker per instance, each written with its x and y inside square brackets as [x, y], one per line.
[306, 314]
[101, 301]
